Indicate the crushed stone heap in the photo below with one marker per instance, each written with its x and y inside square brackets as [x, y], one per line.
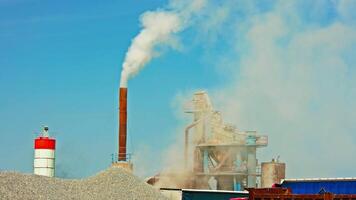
[113, 183]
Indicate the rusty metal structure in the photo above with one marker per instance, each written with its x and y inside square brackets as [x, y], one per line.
[223, 157]
[286, 194]
[272, 172]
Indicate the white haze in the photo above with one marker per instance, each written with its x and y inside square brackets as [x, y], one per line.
[158, 28]
[295, 80]
[290, 73]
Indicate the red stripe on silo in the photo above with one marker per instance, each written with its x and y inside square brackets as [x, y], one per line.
[45, 143]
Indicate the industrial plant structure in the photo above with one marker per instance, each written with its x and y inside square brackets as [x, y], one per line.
[221, 151]
[216, 155]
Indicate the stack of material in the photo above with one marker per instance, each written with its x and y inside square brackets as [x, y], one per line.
[114, 183]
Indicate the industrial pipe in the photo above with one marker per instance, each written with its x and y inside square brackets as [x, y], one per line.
[186, 139]
[122, 124]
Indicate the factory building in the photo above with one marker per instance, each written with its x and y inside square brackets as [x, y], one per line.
[217, 156]
[221, 153]
[319, 185]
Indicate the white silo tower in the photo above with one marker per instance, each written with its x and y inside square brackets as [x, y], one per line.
[44, 155]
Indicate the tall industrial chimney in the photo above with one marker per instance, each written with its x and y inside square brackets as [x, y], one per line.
[122, 161]
[122, 124]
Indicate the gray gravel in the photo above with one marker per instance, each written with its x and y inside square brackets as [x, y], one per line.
[113, 183]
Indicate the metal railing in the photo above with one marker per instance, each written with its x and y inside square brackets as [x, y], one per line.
[115, 157]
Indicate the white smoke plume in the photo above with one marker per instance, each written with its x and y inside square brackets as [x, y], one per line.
[158, 28]
[289, 73]
[292, 76]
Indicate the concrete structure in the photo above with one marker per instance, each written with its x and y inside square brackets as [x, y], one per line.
[220, 151]
[272, 172]
[44, 154]
[217, 156]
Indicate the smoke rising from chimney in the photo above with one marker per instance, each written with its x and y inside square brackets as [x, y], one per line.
[158, 28]
[289, 73]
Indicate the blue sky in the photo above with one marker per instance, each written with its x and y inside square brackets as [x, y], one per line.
[60, 66]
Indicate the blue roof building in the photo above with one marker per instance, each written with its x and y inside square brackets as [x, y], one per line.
[320, 185]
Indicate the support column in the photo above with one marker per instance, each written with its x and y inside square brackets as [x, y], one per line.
[251, 167]
[206, 160]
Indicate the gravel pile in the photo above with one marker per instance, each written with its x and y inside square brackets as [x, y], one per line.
[114, 183]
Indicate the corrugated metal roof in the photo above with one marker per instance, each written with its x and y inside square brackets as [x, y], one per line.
[317, 185]
[319, 179]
